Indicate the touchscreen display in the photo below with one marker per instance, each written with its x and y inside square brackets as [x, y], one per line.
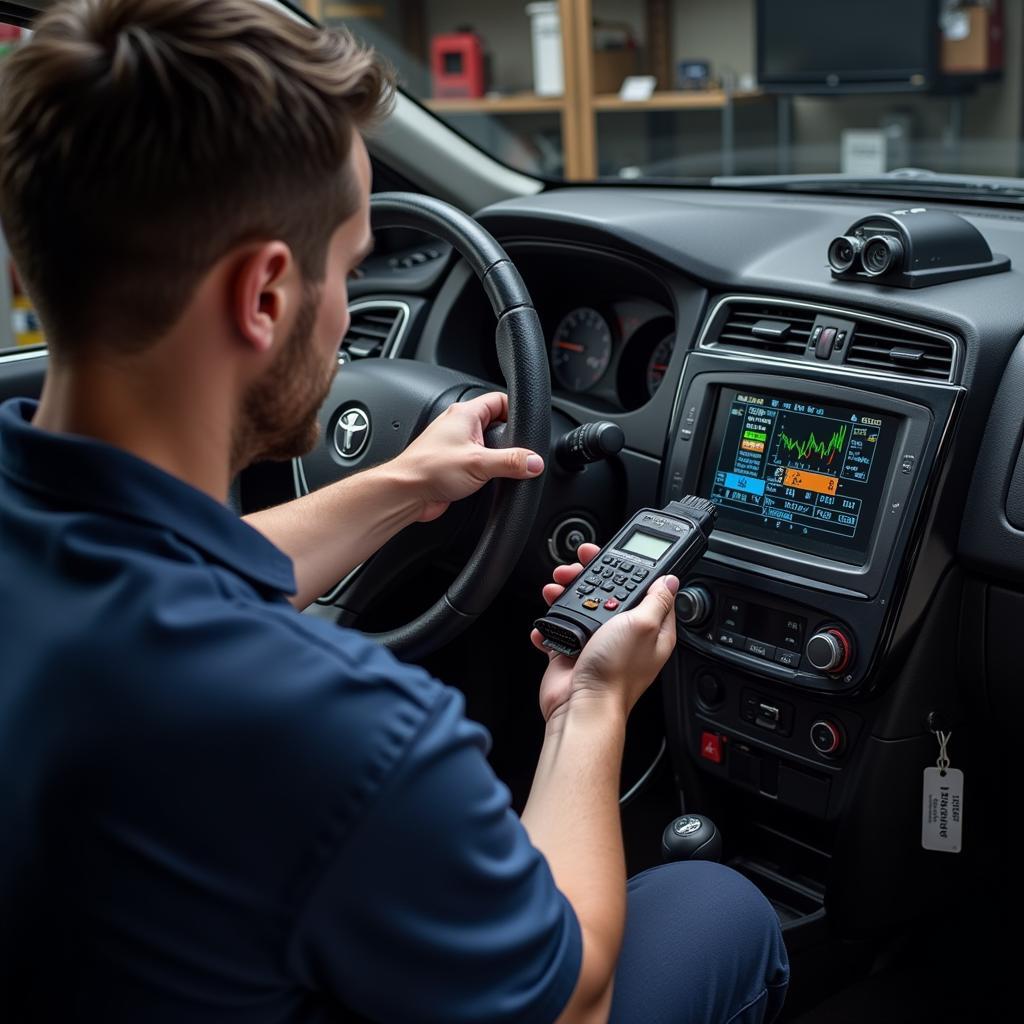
[646, 544]
[797, 473]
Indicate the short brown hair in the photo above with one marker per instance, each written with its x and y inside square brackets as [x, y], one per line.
[140, 140]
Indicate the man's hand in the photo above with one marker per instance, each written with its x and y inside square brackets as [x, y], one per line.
[449, 460]
[623, 656]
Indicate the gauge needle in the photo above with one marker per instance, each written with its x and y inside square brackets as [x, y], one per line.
[570, 346]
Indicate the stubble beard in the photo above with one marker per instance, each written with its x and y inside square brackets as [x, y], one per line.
[278, 419]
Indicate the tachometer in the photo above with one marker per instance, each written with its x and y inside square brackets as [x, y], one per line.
[658, 363]
[581, 349]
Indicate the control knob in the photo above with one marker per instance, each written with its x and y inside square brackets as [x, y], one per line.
[693, 605]
[830, 650]
[826, 738]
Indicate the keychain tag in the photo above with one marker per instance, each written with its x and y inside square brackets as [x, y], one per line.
[943, 804]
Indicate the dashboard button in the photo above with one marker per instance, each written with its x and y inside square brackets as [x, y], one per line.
[711, 747]
[732, 614]
[759, 649]
[787, 658]
[823, 350]
[727, 639]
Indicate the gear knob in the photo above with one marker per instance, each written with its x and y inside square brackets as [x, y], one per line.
[691, 837]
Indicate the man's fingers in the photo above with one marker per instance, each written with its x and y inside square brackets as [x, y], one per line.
[552, 592]
[587, 552]
[511, 463]
[489, 408]
[565, 574]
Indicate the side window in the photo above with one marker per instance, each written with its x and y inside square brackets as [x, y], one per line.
[19, 325]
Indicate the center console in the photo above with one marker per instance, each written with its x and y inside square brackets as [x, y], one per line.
[821, 473]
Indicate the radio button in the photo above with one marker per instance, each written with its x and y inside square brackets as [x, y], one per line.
[760, 650]
[787, 658]
[727, 639]
[732, 614]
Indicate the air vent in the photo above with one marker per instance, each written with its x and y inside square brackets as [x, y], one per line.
[773, 329]
[374, 331]
[900, 350]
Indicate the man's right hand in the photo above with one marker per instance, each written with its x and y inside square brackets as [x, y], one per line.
[623, 656]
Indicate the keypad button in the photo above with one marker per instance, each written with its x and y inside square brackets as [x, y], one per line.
[619, 578]
[591, 603]
[594, 580]
[608, 573]
[608, 585]
[611, 604]
[640, 574]
[630, 585]
[607, 559]
[584, 588]
[621, 594]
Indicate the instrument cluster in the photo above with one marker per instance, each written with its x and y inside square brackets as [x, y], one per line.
[616, 352]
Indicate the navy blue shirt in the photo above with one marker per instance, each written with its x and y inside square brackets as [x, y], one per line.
[214, 808]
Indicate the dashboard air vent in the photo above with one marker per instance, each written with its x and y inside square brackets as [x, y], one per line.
[900, 350]
[775, 329]
[374, 331]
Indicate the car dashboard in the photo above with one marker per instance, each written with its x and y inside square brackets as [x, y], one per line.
[863, 445]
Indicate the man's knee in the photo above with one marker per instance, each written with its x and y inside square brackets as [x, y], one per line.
[719, 924]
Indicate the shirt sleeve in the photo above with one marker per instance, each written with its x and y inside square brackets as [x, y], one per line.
[437, 907]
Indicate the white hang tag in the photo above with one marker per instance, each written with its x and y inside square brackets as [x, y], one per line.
[943, 811]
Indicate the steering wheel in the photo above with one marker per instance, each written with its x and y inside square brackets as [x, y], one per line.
[399, 397]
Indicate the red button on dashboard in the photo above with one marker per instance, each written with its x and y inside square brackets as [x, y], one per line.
[711, 747]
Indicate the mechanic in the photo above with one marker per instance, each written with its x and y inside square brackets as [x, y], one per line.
[213, 807]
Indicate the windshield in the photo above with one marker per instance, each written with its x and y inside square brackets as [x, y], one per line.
[701, 89]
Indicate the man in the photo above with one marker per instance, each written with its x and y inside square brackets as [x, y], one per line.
[214, 808]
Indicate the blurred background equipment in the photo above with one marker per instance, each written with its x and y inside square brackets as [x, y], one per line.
[546, 42]
[458, 65]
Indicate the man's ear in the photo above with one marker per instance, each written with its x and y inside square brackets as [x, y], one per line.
[263, 293]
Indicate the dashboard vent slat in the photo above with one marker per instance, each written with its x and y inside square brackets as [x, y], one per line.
[373, 331]
[768, 328]
[901, 350]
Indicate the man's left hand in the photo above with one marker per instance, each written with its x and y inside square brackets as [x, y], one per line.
[450, 460]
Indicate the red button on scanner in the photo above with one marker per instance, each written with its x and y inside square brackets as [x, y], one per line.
[711, 747]
[611, 604]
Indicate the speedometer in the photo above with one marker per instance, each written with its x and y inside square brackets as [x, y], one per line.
[581, 349]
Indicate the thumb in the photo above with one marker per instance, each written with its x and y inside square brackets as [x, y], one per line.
[513, 463]
[659, 602]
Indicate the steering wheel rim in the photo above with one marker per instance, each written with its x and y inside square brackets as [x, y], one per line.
[522, 356]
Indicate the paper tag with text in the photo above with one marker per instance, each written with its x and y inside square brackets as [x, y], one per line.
[943, 811]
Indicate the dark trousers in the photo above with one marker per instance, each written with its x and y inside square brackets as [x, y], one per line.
[702, 946]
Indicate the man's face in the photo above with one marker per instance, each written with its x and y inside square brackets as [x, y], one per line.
[279, 416]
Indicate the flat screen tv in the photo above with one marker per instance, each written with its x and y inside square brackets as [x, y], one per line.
[831, 46]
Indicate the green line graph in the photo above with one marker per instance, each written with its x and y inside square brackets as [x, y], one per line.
[825, 450]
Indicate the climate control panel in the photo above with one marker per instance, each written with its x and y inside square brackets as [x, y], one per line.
[766, 636]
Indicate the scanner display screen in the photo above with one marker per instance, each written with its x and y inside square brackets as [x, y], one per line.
[646, 544]
[798, 473]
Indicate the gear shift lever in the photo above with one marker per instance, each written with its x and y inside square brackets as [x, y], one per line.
[691, 837]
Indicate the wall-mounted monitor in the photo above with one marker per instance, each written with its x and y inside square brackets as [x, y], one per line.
[837, 46]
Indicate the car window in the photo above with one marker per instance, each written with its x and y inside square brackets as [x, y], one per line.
[19, 325]
[695, 89]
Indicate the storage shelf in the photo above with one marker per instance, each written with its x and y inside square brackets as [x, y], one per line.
[696, 99]
[517, 103]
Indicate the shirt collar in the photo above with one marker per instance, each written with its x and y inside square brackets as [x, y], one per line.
[87, 473]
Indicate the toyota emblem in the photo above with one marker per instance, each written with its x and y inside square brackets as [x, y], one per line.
[352, 433]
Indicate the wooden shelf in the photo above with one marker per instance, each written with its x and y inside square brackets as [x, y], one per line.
[702, 99]
[517, 103]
